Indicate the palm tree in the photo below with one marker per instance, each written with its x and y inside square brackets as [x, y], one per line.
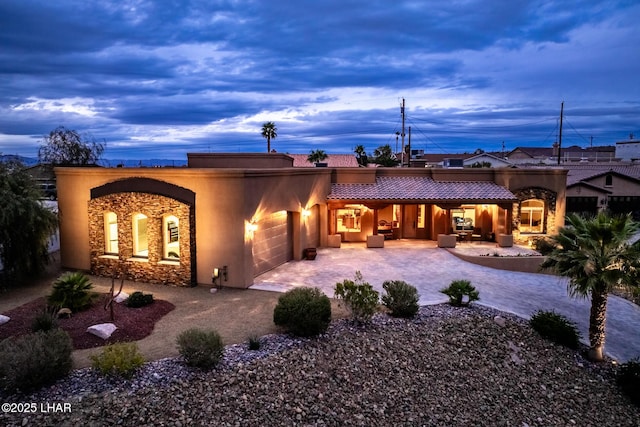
[596, 256]
[269, 131]
[317, 156]
[361, 154]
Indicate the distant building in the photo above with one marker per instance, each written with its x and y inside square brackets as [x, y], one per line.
[628, 151]
[571, 154]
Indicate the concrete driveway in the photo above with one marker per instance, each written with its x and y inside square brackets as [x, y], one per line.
[430, 269]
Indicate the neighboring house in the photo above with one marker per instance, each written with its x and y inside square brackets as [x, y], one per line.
[253, 212]
[332, 161]
[570, 154]
[592, 188]
[480, 160]
[628, 151]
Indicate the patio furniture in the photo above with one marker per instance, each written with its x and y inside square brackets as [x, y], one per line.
[447, 240]
[334, 240]
[375, 241]
[385, 229]
[505, 240]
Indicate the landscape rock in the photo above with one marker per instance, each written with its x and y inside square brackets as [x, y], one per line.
[121, 297]
[64, 312]
[102, 330]
[4, 319]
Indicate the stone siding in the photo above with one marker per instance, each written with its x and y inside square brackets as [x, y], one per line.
[154, 268]
[549, 224]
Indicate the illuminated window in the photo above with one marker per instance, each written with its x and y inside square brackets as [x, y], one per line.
[140, 239]
[421, 216]
[110, 233]
[463, 219]
[532, 216]
[171, 237]
[349, 219]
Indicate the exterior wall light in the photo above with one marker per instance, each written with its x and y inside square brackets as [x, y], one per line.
[306, 213]
[219, 274]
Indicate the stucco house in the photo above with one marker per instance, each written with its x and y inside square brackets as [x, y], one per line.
[245, 214]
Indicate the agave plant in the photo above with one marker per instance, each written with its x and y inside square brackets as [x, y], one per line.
[72, 291]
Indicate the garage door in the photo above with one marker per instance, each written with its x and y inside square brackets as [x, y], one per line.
[272, 242]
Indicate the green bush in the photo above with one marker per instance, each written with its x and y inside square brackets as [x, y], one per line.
[628, 379]
[120, 359]
[138, 299]
[556, 328]
[46, 320]
[401, 298]
[72, 291]
[254, 343]
[543, 245]
[359, 296]
[200, 348]
[457, 290]
[303, 311]
[34, 360]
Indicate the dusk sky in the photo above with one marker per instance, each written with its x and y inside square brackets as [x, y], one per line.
[158, 79]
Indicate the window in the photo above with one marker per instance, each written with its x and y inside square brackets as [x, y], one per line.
[171, 237]
[608, 180]
[463, 219]
[532, 216]
[349, 219]
[421, 218]
[110, 233]
[140, 239]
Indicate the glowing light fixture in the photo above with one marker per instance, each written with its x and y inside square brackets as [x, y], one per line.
[306, 213]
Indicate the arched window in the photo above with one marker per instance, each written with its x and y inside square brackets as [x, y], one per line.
[171, 237]
[110, 233]
[140, 239]
[532, 216]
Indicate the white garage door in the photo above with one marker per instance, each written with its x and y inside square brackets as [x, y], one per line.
[272, 242]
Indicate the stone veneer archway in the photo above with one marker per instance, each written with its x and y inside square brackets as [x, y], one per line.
[126, 198]
[548, 197]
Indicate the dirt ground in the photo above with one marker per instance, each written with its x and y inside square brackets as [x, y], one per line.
[236, 314]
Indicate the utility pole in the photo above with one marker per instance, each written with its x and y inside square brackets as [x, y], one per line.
[409, 148]
[402, 135]
[560, 133]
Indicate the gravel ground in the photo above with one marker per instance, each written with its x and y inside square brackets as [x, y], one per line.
[447, 367]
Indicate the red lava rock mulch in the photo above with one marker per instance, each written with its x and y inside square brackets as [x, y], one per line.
[133, 323]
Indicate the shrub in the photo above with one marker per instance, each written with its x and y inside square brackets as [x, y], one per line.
[303, 311]
[457, 290]
[543, 245]
[401, 298]
[46, 320]
[120, 359]
[359, 296]
[556, 328]
[72, 291]
[200, 348]
[628, 379]
[34, 360]
[254, 343]
[138, 299]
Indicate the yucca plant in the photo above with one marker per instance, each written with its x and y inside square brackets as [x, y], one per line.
[72, 291]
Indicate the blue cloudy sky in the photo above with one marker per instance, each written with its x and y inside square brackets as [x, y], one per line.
[158, 79]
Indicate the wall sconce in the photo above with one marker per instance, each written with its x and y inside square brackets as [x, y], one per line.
[306, 213]
[217, 272]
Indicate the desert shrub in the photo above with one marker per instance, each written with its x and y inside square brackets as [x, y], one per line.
[303, 311]
[457, 290]
[46, 320]
[543, 245]
[72, 291]
[555, 327]
[120, 359]
[200, 348]
[628, 380]
[254, 343]
[401, 298]
[138, 299]
[359, 296]
[34, 360]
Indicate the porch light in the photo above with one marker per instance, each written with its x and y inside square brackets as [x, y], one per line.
[217, 272]
[306, 213]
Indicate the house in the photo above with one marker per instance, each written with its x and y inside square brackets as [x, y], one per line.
[245, 214]
[591, 188]
[570, 154]
[629, 150]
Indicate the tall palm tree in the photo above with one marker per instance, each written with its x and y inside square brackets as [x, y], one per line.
[595, 254]
[361, 154]
[269, 131]
[317, 156]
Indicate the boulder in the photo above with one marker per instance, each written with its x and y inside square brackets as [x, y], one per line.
[64, 312]
[102, 330]
[4, 319]
[122, 297]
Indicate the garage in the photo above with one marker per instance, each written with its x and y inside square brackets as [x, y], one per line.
[272, 242]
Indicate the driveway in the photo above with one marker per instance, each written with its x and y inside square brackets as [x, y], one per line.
[430, 269]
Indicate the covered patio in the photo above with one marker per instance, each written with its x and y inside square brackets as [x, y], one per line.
[419, 207]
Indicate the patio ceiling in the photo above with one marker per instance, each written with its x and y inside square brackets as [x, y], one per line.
[422, 190]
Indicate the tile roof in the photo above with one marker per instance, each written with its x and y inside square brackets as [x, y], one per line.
[333, 161]
[421, 189]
